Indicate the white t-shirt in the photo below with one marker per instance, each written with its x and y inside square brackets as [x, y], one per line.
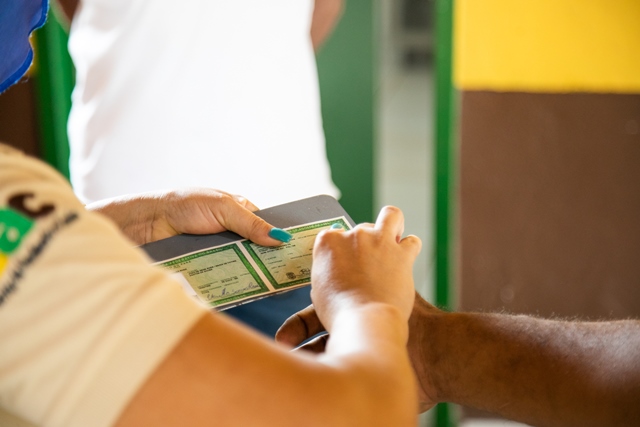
[211, 93]
[84, 318]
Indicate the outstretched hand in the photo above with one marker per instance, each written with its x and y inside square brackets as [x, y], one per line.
[153, 216]
[369, 265]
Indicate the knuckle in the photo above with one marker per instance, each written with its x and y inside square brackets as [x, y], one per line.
[226, 198]
[363, 225]
[256, 222]
[321, 239]
[325, 238]
[392, 209]
[360, 232]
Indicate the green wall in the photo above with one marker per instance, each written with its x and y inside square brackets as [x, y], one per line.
[54, 83]
[347, 73]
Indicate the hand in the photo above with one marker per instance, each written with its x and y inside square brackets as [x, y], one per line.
[301, 326]
[153, 216]
[370, 264]
[306, 324]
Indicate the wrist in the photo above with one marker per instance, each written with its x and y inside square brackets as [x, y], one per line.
[384, 320]
[134, 215]
[430, 331]
[330, 302]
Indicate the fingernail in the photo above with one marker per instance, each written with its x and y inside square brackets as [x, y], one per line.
[280, 234]
[336, 226]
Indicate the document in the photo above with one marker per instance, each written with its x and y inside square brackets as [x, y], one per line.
[241, 271]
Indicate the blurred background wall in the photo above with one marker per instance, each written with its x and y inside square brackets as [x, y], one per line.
[549, 148]
[549, 154]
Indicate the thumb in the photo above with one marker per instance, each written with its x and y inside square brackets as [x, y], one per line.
[299, 327]
[241, 220]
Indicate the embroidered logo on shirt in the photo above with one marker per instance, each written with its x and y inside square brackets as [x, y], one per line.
[19, 202]
[16, 221]
[13, 227]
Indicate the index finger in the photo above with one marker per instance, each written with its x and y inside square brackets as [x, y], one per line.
[245, 202]
[390, 222]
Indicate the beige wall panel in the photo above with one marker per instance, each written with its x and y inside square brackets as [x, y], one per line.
[550, 204]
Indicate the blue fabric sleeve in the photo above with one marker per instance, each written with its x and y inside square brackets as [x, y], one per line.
[18, 19]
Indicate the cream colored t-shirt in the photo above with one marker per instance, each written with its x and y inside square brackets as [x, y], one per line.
[84, 318]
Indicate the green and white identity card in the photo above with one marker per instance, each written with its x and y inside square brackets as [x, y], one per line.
[224, 270]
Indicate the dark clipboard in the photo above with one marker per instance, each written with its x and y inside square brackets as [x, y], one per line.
[313, 209]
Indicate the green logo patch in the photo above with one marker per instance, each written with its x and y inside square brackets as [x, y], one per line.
[13, 228]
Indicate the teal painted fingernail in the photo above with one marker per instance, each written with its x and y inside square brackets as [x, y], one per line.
[337, 226]
[280, 234]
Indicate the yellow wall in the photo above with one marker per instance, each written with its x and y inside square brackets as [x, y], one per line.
[548, 45]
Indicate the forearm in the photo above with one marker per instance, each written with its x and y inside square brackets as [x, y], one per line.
[326, 14]
[220, 369]
[537, 371]
[368, 347]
